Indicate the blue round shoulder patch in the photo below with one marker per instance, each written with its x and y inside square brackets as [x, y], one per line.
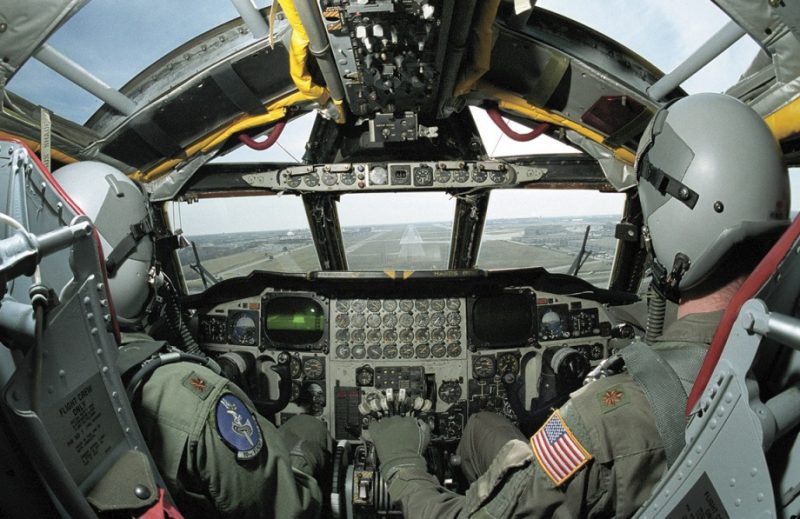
[238, 428]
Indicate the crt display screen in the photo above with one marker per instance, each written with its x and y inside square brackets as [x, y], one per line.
[294, 320]
[503, 320]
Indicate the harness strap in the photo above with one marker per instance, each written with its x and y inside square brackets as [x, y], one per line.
[664, 389]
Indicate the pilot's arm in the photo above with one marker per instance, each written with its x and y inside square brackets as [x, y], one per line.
[218, 456]
[599, 454]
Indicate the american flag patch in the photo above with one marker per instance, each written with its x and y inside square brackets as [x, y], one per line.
[558, 451]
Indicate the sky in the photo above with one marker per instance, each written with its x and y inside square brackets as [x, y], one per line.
[134, 34]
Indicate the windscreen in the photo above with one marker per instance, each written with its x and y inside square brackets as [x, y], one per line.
[398, 231]
[547, 228]
[233, 237]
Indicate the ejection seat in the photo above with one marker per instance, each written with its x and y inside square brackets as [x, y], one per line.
[742, 455]
[69, 441]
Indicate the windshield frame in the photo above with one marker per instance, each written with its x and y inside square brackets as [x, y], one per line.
[465, 239]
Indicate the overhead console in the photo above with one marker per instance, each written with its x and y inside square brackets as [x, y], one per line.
[389, 53]
[505, 352]
[394, 176]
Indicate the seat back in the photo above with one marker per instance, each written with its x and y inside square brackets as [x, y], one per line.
[62, 396]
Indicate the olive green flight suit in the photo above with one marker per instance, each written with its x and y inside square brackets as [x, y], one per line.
[188, 414]
[612, 421]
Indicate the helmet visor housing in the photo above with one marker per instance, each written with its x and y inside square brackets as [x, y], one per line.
[710, 176]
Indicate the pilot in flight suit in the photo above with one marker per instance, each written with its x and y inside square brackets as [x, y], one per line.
[602, 452]
[218, 457]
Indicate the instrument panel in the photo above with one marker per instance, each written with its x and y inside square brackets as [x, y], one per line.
[381, 329]
[464, 354]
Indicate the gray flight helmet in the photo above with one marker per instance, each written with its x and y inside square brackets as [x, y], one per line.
[120, 213]
[711, 175]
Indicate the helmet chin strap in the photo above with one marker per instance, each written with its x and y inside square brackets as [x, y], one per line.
[666, 282]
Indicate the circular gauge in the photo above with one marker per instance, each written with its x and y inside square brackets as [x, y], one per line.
[461, 176]
[342, 320]
[390, 336]
[453, 334]
[283, 357]
[374, 320]
[374, 351]
[422, 319]
[421, 304]
[406, 335]
[484, 367]
[453, 304]
[437, 319]
[390, 351]
[374, 336]
[313, 368]
[439, 350]
[342, 335]
[453, 349]
[406, 320]
[423, 176]
[596, 353]
[406, 305]
[358, 321]
[295, 367]
[342, 305]
[453, 319]
[437, 305]
[390, 320]
[365, 376]
[450, 391]
[358, 336]
[423, 351]
[421, 334]
[507, 363]
[359, 352]
[378, 176]
[437, 334]
[551, 324]
[293, 181]
[390, 305]
[374, 305]
[343, 351]
[442, 176]
[243, 328]
[329, 179]
[348, 178]
[406, 351]
[479, 175]
[295, 391]
[358, 306]
[311, 180]
[498, 177]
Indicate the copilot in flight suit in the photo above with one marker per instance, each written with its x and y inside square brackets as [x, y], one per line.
[605, 449]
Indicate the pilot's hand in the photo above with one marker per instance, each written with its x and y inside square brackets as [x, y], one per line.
[400, 442]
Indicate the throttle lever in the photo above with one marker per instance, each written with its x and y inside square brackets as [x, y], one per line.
[271, 407]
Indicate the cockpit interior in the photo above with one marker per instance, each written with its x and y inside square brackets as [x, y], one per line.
[358, 208]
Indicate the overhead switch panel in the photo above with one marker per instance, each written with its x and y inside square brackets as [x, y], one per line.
[388, 52]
